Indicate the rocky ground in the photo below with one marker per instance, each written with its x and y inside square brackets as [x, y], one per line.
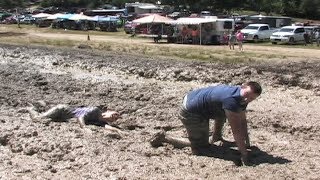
[147, 91]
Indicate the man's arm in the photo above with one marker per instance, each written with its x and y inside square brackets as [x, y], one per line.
[114, 129]
[81, 122]
[236, 122]
[245, 128]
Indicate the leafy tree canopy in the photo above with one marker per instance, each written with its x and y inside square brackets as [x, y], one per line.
[294, 8]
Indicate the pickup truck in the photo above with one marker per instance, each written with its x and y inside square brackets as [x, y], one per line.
[257, 32]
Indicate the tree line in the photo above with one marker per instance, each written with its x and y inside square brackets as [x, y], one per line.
[294, 8]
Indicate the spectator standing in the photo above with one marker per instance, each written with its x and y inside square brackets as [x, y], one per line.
[240, 38]
[184, 34]
[306, 38]
[225, 38]
[195, 35]
[317, 37]
[232, 40]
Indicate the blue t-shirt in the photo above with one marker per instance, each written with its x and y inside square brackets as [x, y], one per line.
[211, 101]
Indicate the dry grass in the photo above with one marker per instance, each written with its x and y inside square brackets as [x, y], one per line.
[118, 42]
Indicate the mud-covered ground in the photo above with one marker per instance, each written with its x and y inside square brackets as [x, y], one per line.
[147, 91]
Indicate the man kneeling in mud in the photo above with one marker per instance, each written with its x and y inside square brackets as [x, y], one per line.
[84, 115]
[218, 103]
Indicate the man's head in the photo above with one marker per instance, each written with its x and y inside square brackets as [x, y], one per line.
[250, 91]
[109, 116]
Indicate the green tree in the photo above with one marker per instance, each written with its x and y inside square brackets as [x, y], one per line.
[270, 6]
[9, 4]
[310, 8]
[291, 8]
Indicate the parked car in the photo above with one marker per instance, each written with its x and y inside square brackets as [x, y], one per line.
[205, 13]
[257, 32]
[27, 20]
[288, 34]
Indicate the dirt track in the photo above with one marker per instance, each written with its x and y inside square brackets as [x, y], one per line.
[147, 91]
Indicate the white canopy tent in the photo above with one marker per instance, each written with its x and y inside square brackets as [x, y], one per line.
[55, 16]
[194, 21]
[41, 15]
[78, 17]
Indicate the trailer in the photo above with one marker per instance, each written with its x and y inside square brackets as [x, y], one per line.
[272, 21]
[210, 30]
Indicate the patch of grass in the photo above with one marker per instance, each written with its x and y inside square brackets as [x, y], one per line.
[186, 54]
[297, 45]
[119, 42]
[33, 28]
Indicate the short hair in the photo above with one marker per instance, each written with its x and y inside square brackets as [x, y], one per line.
[256, 88]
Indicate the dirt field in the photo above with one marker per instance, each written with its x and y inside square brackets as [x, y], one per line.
[147, 91]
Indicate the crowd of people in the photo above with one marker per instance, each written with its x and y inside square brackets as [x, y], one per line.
[188, 35]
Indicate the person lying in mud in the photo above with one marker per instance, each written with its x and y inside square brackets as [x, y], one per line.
[219, 102]
[85, 115]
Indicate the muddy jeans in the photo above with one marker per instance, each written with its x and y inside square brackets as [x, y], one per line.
[60, 112]
[197, 128]
[64, 112]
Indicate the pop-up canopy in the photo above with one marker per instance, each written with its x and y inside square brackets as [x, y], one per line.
[41, 15]
[194, 21]
[154, 18]
[78, 17]
[55, 16]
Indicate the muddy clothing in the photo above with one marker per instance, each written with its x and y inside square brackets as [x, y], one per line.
[208, 103]
[197, 128]
[60, 112]
[91, 115]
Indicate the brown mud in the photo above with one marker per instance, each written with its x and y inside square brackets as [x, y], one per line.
[147, 91]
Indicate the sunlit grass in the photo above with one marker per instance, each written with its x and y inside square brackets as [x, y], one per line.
[286, 45]
[131, 45]
[33, 28]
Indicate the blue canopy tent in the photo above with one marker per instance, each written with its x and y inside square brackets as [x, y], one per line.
[65, 16]
[108, 23]
[97, 18]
